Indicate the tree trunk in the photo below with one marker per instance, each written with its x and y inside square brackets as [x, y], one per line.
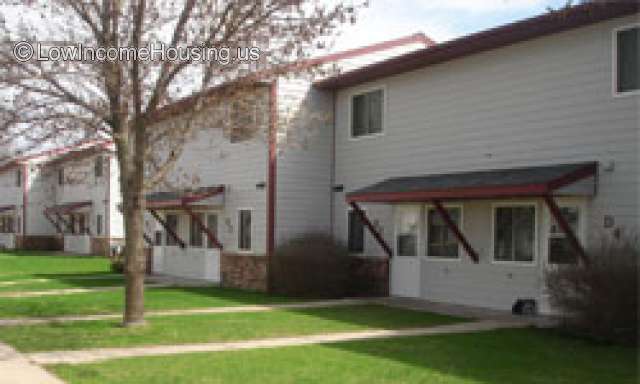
[135, 263]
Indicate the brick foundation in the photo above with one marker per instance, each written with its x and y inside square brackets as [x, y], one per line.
[39, 243]
[243, 271]
[369, 276]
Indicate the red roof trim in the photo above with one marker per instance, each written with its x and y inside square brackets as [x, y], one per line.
[545, 24]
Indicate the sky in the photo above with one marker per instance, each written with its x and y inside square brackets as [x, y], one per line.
[441, 20]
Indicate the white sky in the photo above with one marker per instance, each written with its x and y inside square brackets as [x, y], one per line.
[439, 19]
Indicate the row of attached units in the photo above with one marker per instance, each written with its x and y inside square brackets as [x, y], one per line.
[456, 172]
[62, 199]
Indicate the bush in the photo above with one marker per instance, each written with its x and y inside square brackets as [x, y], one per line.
[116, 256]
[600, 300]
[312, 265]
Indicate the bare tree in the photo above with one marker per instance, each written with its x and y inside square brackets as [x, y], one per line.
[46, 98]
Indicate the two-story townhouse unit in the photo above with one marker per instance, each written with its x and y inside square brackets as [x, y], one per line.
[233, 198]
[83, 199]
[477, 164]
[62, 199]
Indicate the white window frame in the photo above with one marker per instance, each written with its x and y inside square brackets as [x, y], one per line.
[581, 234]
[614, 62]
[461, 250]
[536, 233]
[397, 210]
[364, 233]
[362, 91]
[251, 230]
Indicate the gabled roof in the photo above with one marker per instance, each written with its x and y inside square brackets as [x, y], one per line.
[542, 25]
[512, 182]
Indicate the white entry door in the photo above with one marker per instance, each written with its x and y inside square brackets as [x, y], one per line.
[405, 265]
[405, 276]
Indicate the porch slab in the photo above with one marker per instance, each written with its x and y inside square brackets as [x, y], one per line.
[466, 311]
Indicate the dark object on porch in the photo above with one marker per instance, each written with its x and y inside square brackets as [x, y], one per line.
[526, 307]
[312, 265]
[600, 300]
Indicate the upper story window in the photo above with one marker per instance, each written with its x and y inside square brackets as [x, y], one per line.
[627, 58]
[367, 113]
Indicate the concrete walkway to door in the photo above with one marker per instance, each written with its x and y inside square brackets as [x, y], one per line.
[16, 369]
[101, 354]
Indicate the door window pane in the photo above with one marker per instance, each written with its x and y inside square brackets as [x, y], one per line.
[407, 232]
[172, 225]
[195, 233]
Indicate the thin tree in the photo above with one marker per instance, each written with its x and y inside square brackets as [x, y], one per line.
[126, 82]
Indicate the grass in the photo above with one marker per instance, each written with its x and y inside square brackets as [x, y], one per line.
[31, 264]
[524, 356]
[61, 282]
[113, 301]
[217, 327]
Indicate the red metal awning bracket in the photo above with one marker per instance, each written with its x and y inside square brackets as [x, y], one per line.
[170, 231]
[371, 227]
[456, 231]
[566, 228]
[53, 222]
[212, 237]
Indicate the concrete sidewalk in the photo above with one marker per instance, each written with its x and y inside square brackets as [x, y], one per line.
[16, 369]
[68, 291]
[101, 354]
[192, 311]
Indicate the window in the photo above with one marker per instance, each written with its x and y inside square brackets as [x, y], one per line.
[407, 232]
[172, 226]
[18, 224]
[18, 177]
[6, 224]
[441, 242]
[514, 233]
[212, 224]
[367, 113]
[244, 229]
[627, 59]
[98, 166]
[72, 224]
[560, 250]
[61, 176]
[98, 224]
[355, 233]
[158, 237]
[195, 233]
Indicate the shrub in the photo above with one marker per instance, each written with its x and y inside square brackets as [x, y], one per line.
[116, 256]
[600, 300]
[312, 265]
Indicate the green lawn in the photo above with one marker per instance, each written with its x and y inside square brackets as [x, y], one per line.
[217, 327]
[30, 264]
[61, 282]
[509, 356]
[113, 301]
